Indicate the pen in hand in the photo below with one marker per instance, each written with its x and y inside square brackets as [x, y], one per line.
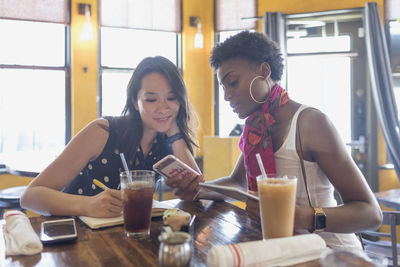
[100, 184]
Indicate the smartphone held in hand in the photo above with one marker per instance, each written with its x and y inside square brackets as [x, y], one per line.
[58, 231]
[171, 166]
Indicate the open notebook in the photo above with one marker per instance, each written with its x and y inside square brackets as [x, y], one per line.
[232, 192]
[96, 223]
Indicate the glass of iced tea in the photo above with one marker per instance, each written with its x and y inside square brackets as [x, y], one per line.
[277, 204]
[137, 189]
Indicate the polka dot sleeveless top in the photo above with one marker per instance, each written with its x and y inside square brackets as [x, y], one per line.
[107, 167]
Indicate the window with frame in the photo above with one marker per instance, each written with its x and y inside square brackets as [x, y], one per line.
[394, 42]
[121, 51]
[33, 90]
[224, 127]
[231, 17]
[127, 39]
[393, 38]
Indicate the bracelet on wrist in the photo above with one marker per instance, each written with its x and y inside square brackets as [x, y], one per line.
[174, 138]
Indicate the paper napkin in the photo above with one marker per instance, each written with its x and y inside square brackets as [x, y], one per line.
[272, 252]
[19, 236]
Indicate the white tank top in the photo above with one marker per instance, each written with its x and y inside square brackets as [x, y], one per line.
[321, 190]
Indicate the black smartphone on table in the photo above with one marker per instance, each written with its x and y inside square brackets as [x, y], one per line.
[55, 231]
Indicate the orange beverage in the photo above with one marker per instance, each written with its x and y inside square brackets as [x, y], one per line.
[277, 204]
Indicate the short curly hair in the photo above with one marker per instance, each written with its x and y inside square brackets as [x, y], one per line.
[253, 46]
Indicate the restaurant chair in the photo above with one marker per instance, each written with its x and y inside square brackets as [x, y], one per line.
[374, 245]
[162, 191]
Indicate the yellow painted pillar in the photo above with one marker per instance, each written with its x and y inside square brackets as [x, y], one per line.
[197, 73]
[83, 68]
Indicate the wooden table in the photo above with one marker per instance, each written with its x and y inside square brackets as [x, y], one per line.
[216, 223]
[389, 198]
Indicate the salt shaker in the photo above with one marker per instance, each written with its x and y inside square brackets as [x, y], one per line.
[174, 249]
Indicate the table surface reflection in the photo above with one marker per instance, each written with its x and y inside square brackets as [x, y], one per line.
[216, 223]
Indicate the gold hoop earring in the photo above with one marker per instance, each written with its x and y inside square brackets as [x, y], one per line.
[251, 94]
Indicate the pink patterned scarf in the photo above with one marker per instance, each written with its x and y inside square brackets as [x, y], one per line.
[256, 137]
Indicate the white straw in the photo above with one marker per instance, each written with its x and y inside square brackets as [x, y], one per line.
[261, 165]
[125, 166]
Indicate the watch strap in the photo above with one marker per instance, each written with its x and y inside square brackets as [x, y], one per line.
[319, 216]
[319, 210]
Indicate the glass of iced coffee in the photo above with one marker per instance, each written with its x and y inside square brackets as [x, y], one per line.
[137, 189]
[277, 204]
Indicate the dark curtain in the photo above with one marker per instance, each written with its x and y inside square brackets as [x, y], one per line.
[274, 26]
[381, 82]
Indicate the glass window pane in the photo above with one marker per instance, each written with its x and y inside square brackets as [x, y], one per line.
[396, 90]
[114, 84]
[319, 44]
[225, 110]
[125, 48]
[394, 48]
[32, 43]
[331, 81]
[394, 27]
[32, 112]
[325, 90]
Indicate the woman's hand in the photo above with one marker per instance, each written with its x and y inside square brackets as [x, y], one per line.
[253, 207]
[303, 217]
[185, 187]
[105, 204]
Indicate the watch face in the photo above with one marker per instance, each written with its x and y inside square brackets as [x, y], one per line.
[320, 221]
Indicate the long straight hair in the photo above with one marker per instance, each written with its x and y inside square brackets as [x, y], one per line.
[131, 131]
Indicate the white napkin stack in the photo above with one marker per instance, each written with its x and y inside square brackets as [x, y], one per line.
[19, 235]
[272, 252]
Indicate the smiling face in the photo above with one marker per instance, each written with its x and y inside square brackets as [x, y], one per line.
[156, 103]
[235, 76]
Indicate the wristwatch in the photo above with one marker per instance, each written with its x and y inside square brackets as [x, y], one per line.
[319, 220]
